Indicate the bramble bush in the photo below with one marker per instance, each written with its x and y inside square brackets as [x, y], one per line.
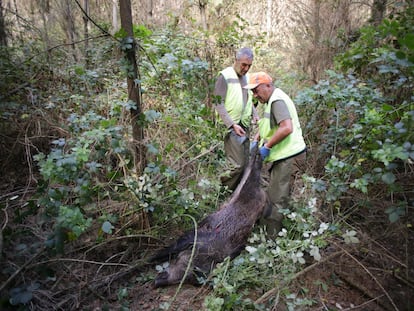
[94, 162]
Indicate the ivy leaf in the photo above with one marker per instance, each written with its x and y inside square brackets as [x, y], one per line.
[152, 115]
[152, 149]
[408, 41]
[21, 298]
[386, 108]
[400, 55]
[107, 227]
[19, 295]
[395, 212]
[387, 69]
[388, 178]
[350, 237]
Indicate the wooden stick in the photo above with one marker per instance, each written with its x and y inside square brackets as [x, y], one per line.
[271, 292]
[370, 274]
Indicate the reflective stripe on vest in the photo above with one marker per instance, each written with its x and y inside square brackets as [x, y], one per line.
[292, 144]
[238, 113]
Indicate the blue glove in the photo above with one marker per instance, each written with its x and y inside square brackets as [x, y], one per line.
[253, 145]
[264, 152]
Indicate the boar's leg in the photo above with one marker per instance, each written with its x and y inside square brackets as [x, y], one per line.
[176, 271]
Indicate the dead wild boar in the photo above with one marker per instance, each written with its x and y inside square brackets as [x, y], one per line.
[221, 234]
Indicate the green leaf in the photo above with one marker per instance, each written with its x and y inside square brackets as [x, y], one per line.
[388, 178]
[400, 55]
[408, 41]
[152, 115]
[107, 227]
[79, 70]
[393, 217]
[20, 296]
[387, 107]
[395, 212]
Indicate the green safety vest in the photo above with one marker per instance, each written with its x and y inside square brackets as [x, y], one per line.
[236, 108]
[292, 144]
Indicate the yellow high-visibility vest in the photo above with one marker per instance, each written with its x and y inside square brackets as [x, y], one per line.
[238, 111]
[292, 144]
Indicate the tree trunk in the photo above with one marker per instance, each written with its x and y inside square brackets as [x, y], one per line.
[3, 35]
[115, 26]
[134, 88]
[202, 5]
[69, 27]
[269, 6]
[378, 11]
[86, 31]
[44, 12]
[314, 59]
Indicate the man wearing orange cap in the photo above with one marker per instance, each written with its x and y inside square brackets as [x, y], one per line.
[235, 108]
[282, 145]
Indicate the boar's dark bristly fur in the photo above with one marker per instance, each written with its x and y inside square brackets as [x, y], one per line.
[219, 235]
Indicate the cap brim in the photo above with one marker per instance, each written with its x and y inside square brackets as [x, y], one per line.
[251, 86]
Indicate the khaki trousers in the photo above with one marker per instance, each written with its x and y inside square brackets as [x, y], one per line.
[283, 175]
[237, 155]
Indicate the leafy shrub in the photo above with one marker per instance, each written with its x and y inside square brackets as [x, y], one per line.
[364, 140]
[385, 56]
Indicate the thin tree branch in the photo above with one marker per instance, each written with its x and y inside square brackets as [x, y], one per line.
[271, 292]
[93, 22]
[370, 274]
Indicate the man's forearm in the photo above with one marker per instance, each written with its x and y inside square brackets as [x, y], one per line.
[225, 117]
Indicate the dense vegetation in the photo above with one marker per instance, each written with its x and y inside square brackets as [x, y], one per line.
[71, 192]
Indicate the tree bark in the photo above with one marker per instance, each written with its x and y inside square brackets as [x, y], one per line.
[69, 26]
[115, 26]
[3, 34]
[269, 6]
[134, 88]
[378, 11]
[86, 31]
[202, 5]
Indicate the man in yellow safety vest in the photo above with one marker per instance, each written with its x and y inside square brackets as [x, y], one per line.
[281, 144]
[235, 109]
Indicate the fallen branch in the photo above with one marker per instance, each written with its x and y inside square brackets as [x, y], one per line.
[271, 292]
[408, 282]
[95, 284]
[365, 291]
[359, 307]
[6, 217]
[17, 272]
[370, 274]
[80, 261]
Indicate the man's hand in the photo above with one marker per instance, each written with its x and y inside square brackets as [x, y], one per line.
[264, 152]
[239, 130]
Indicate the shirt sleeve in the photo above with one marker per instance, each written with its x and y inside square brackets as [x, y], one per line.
[220, 88]
[220, 91]
[280, 112]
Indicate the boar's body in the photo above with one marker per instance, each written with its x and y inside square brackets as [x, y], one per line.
[219, 235]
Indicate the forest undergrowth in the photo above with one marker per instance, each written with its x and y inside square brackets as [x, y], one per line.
[79, 223]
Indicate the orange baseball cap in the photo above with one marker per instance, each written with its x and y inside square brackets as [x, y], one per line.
[257, 78]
